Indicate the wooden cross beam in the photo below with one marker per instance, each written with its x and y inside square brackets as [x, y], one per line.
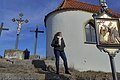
[36, 38]
[1, 28]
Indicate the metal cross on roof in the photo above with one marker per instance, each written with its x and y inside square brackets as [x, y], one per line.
[36, 38]
[1, 28]
[103, 3]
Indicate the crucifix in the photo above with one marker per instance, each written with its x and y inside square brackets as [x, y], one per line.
[36, 38]
[19, 22]
[1, 28]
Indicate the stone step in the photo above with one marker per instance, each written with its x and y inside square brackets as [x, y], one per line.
[12, 76]
[34, 76]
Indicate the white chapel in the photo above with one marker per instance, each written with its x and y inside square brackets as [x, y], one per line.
[74, 19]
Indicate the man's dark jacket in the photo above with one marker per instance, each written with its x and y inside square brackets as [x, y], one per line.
[55, 44]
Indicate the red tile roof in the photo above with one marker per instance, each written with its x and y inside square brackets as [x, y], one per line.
[74, 4]
[77, 5]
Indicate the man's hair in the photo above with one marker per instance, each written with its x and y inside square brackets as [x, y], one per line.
[57, 34]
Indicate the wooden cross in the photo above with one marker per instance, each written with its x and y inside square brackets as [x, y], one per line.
[1, 28]
[36, 38]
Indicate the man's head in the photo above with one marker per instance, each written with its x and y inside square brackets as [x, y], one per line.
[59, 34]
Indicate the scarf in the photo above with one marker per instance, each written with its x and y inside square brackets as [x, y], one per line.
[59, 40]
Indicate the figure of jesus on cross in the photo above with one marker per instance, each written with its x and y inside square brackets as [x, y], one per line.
[19, 22]
[1, 28]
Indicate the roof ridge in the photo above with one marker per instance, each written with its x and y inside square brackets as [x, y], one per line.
[84, 3]
[61, 4]
[66, 1]
[69, 5]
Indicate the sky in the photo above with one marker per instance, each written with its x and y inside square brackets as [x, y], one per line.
[34, 11]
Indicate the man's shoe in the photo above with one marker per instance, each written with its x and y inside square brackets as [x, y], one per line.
[67, 72]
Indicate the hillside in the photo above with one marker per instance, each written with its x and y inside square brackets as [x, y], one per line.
[44, 70]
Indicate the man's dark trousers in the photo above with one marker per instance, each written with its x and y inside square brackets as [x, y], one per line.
[63, 56]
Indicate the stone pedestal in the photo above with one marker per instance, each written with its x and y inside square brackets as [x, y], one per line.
[14, 54]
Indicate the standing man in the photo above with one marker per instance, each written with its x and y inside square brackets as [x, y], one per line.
[59, 45]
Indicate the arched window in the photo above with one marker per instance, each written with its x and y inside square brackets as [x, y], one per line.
[90, 33]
